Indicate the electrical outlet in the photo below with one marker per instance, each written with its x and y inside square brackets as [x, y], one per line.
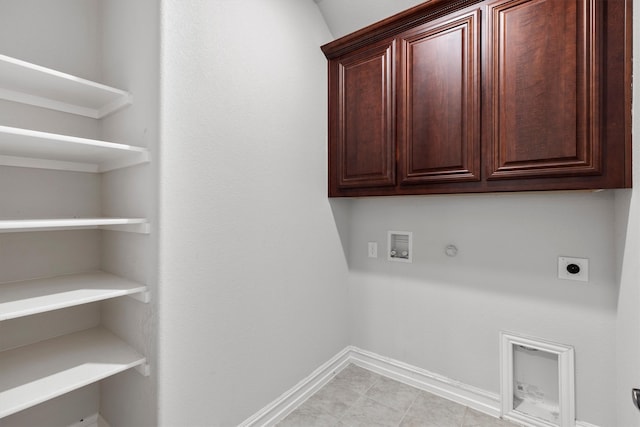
[372, 249]
[573, 268]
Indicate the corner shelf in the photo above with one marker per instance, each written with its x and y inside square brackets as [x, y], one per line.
[27, 83]
[27, 297]
[136, 225]
[38, 372]
[35, 149]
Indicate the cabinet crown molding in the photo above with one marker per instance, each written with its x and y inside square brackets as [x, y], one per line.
[394, 25]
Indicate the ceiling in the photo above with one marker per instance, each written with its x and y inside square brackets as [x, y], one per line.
[346, 16]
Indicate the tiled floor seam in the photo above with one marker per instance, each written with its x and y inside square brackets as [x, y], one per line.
[387, 406]
[464, 417]
[341, 417]
[362, 396]
[407, 410]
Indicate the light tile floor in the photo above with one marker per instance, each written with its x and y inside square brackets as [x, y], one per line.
[358, 397]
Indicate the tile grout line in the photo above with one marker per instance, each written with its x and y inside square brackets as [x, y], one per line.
[408, 408]
[464, 416]
[380, 379]
[363, 395]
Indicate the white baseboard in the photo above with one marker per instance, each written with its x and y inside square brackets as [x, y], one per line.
[464, 394]
[281, 407]
[473, 397]
[453, 390]
[276, 411]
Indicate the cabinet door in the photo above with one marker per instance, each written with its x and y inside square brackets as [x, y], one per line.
[439, 110]
[543, 59]
[362, 108]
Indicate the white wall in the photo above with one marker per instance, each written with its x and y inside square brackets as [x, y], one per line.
[129, 54]
[61, 34]
[628, 239]
[444, 314]
[252, 271]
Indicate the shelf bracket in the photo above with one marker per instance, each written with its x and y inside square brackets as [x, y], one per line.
[144, 297]
[144, 228]
[132, 160]
[144, 369]
[124, 101]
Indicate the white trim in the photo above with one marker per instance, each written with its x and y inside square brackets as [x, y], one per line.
[464, 394]
[566, 383]
[473, 397]
[277, 410]
[456, 391]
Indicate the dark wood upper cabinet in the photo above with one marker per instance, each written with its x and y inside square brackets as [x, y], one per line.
[469, 96]
[439, 102]
[544, 88]
[363, 141]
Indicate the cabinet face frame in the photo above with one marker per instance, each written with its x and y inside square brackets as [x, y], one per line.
[449, 153]
[365, 114]
[519, 148]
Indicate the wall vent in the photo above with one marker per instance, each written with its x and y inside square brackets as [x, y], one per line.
[537, 385]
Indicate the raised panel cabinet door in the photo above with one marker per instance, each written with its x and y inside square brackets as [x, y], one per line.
[439, 107]
[362, 146]
[543, 59]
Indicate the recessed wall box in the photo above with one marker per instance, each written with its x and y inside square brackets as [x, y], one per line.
[537, 381]
[400, 246]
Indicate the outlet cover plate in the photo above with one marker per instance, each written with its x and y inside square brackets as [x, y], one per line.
[563, 273]
[372, 249]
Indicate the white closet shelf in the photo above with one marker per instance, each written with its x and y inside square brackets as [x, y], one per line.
[39, 372]
[28, 83]
[35, 149]
[27, 297]
[137, 225]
